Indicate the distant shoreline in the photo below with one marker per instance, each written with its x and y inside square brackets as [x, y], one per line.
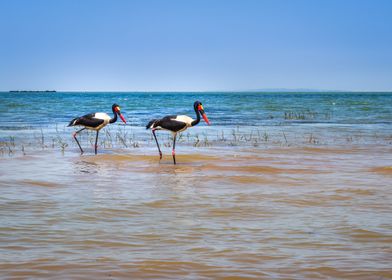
[16, 91]
[203, 92]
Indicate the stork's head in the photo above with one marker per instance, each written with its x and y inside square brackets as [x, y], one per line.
[199, 108]
[116, 110]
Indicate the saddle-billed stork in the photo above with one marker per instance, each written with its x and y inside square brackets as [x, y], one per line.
[95, 121]
[175, 124]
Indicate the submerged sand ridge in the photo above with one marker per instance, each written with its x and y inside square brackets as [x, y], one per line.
[323, 212]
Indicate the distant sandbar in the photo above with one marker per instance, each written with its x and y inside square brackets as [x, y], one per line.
[17, 91]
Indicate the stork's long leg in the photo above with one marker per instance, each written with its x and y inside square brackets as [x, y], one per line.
[96, 142]
[174, 147]
[159, 149]
[74, 136]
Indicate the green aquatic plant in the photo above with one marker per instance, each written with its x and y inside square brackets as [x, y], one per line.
[205, 141]
[12, 141]
[307, 115]
[285, 138]
[265, 136]
[312, 139]
[10, 151]
[42, 139]
[122, 138]
[62, 143]
[197, 141]
[221, 138]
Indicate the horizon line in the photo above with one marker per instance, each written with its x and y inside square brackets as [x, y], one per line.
[206, 91]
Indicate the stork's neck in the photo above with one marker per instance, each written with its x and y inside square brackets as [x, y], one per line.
[114, 119]
[195, 122]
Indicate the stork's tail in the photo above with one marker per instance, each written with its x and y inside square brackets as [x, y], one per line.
[73, 122]
[151, 124]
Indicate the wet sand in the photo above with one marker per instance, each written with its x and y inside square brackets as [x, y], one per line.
[316, 212]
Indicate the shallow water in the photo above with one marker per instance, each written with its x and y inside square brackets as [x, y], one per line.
[281, 186]
[282, 213]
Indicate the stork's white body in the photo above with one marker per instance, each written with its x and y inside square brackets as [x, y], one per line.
[101, 116]
[184, 119]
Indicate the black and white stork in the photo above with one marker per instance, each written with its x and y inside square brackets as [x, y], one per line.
[175, 124]
[95, 121]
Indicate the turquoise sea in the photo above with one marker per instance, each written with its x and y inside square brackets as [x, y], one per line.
[281, 118]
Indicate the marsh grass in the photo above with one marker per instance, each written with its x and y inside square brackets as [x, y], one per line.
[389, 139]
[62, 144]
[8, 147]
[196, 142]
[285, 138]
[307, 115]
[313, 139]
[124, 137]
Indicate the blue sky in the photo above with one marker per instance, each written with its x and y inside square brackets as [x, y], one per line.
[93, 45]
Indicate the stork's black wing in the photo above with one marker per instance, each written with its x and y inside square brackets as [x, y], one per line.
[87, 120]
[170, 123]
